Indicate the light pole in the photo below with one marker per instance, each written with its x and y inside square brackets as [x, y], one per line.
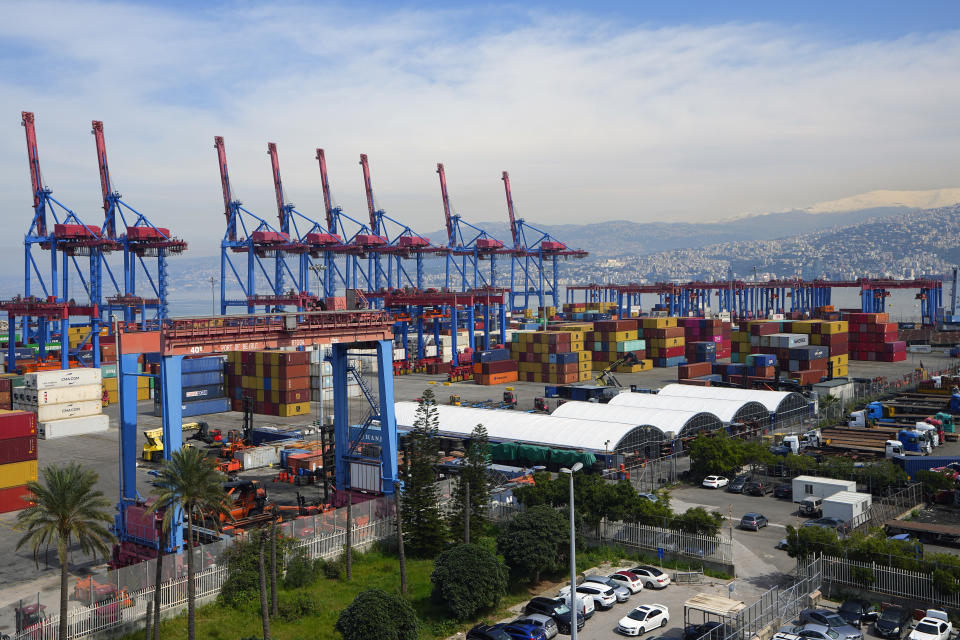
[573, 554]
[317, 270]
[213, 296]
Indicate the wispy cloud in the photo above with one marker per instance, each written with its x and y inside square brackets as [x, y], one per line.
[594, 119]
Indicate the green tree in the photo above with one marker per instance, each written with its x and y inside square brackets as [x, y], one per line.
[882, 477]
[807, 541]
[189, 483]
[468, 579]
[544, 490]
[473, 474]
[756, 455]
[699, 520]
[933, 482]
[377, 614]
[66, 509]
[715, 453]
[534, 541]
[423, 523]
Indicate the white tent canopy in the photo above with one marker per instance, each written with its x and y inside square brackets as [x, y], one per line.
[665, 420]
[727, 410]
[780, 402]
[529, 428]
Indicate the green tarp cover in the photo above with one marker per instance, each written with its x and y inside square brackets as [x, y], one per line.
[533, 454]
[564, 457]
[503, 451]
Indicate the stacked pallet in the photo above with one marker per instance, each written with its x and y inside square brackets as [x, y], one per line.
[278, 382]
[202, 388]
[18, 458]
[707, 339]
[665, 341]
[612, 340]
[494, 366]
[555, 357]
[67, 402]
[873, 337]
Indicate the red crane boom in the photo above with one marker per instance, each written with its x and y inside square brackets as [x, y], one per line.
[225, 183]
[368, 186]
[110, 223]
[513, 219]
[35, 180]
[325, 183]
[451, 240]
[277, 186]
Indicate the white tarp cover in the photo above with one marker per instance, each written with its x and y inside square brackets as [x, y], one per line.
[663, 419]
[726, 410]
[518, 426]
[772, 400]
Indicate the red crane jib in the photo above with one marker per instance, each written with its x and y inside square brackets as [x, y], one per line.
[550, 245]
[148, 233]
[412, 241]
[83, 231]
[369, 239]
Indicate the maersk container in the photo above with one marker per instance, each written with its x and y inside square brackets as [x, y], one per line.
[72, 427]
[59, 395]
[62, 378]
[912, 464]
[812, 486]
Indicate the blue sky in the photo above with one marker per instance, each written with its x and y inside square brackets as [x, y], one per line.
[622, 110]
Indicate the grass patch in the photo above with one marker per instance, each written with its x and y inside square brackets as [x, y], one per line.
[372, 570]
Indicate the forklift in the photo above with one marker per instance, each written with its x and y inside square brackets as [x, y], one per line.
[606, 378]
[207, 435]
[238, 440]
[153, 447]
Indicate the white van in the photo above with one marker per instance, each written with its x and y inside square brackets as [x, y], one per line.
[585, 602]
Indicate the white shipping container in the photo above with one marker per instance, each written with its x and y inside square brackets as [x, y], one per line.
[62, 378]
[64, 410]
[60, 395]
[811, 486]
[846, 505]
[365, 477]
[258, 457]
[48, 430]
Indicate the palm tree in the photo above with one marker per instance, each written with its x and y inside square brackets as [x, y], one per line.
[188, 481]
[67, 509]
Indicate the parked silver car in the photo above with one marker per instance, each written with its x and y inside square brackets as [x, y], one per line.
[545, 623]
[832, 620]
[622, 592]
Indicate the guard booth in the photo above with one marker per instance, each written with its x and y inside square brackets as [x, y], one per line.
[722, 614]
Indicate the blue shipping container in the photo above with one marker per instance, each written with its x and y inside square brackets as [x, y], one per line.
[197, 365]
[493, 355]
[200, 407]
[200, 379]
[912, 464]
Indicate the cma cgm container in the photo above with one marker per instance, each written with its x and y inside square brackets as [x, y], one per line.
[811, 486]
[62, 378]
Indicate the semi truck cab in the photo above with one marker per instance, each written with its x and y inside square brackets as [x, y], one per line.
[914, 442]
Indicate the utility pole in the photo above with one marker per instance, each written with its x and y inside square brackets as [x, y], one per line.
[213, 296]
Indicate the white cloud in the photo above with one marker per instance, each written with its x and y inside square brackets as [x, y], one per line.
[594, 120]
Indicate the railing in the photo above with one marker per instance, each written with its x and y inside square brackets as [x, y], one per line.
[677, 544]
[887, 580]
[889, 508]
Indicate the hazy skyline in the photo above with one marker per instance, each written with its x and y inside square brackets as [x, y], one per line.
[621, 112]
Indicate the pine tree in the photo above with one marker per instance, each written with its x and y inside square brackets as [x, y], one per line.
[473, 474]
[422, 521]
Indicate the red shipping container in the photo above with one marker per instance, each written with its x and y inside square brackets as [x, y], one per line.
[17, 424]
[764, 328]
[670, 352]
[894, 347]
[502, 366]
[15, 499]
[615, 325]
[694, 370]
[669, 332]
[695, 383]
[18, 450]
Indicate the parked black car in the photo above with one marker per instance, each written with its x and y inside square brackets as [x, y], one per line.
[557, 609]
[757, 488]
[736, 485]
[857, 612]
[893, 623]
[708, 631]
[784, 491]
[488, 632]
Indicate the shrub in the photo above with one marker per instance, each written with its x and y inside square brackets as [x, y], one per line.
[377, 614]
[863, 575]
[242, 587]
[534, 542]
[333, 569]
[301, 572]
[293, 606]
[468, 579]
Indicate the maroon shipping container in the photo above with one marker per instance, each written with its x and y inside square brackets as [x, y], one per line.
[669, 332]
[695, 370]
[5, 384]
[502, 366]
[14, 499]
[615, 325]
[18, 450]
[17, 424]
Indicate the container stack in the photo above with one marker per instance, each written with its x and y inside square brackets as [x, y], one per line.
[278, 382]
[202, 388]
[67, 402]
[18, 458]
[612, 340]
[834, 335]
[494, 366]
[110, 392]
[746, 339]
[7, 382]
[873, 337]
[700, 333]
[665, 341]
[589, 311]
[555, 357]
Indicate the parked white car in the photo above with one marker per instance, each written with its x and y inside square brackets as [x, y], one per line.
[715, 482]
[603, 596]
[646, 617]
[652, 577]
[629, 580]
[935, 625]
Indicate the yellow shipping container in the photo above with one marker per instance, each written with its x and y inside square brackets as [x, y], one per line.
[842, 358]
[841, 371]
[803, 326]
[293, 409]
[18, 473]
[659, 323]
[586, 355]
[585, 376]
[585, 365]
[143, 393]
[664, 343]
[251, 382]
[837, 326]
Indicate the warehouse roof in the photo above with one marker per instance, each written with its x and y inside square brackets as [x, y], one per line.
[726, 410]
[665, 420]
[775, 401]
[531, 428]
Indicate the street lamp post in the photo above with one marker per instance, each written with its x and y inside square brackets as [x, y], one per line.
[213, 296]
[573, 554]
[317, 270]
